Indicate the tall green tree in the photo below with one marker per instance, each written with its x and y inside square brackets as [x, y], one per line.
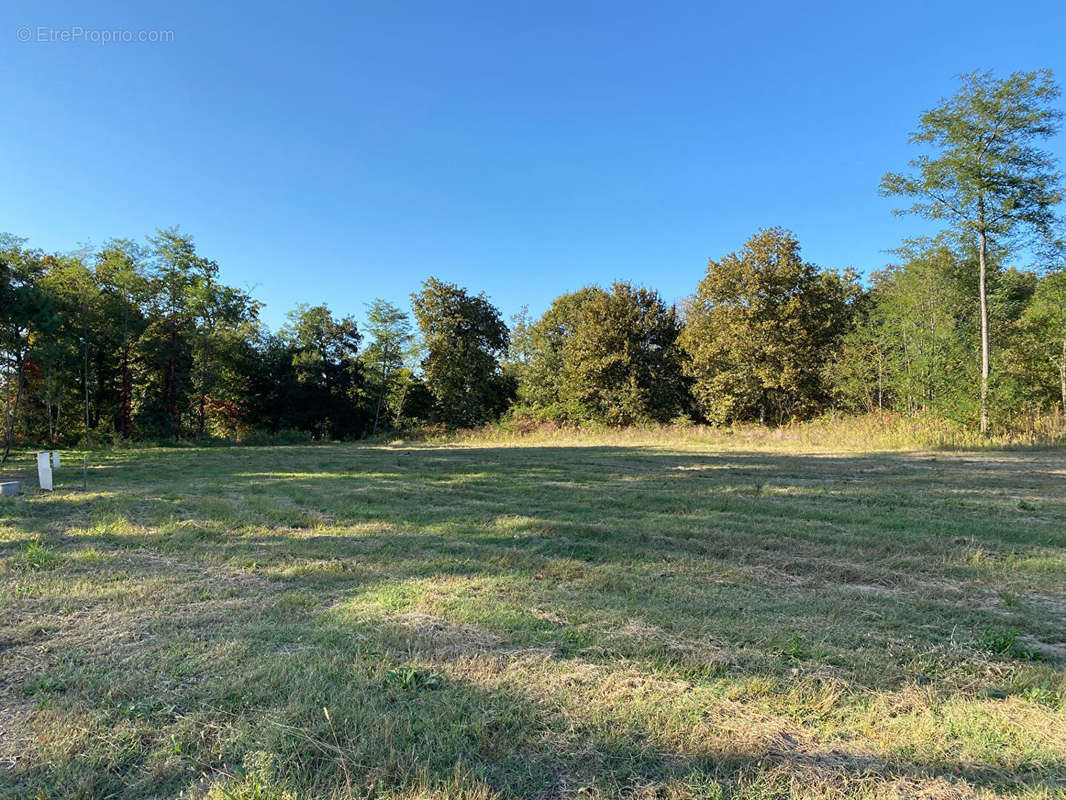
[988, 176]
[275, 396]
[621, 363]
[541, 385]
[25, 312]
[389, 331]
[328, 372]
[224, 318]
[79, 331]
[464, 338]
[166, 347]
[520, 345]
[912, 339]
[857, 373]
[760, 330]
[120, 273]
[1040, 347]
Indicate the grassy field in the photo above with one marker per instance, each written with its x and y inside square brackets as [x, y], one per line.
[671, 618]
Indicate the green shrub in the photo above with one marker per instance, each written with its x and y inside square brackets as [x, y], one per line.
[1001, 642]
[35, 557]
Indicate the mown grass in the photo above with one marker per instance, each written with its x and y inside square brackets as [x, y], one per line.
[537, 618]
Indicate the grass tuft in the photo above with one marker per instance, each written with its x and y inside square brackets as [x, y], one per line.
[34, 557]
[1001, 642]
[413, 680]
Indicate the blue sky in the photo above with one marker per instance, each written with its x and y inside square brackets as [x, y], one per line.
[342, 151]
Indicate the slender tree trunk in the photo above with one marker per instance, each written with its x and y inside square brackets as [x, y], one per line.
[126, 390]
[880, 384]
[985, 350]
[381, 395]
[381, 392]
[7, 419]
[1062, 376]
[85, 382]
[202, 413]
[126, 399]
[403, 397]
[170, 384]
[12, 410]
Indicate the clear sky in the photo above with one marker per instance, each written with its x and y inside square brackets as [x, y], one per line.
[342, 151]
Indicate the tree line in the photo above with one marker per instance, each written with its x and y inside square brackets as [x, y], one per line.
[144, 341]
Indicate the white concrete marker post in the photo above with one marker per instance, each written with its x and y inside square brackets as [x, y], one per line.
[44, 471]
[55, 460]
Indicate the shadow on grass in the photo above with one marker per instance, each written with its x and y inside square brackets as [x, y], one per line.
[266, 592]
[198, 690]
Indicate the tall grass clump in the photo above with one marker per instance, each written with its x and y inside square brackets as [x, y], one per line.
[830, 432]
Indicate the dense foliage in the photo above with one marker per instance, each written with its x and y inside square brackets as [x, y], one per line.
[133, 342]
[463, 337]
[989, 178]
[605, 356]
[760, 330]
[144, 341]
